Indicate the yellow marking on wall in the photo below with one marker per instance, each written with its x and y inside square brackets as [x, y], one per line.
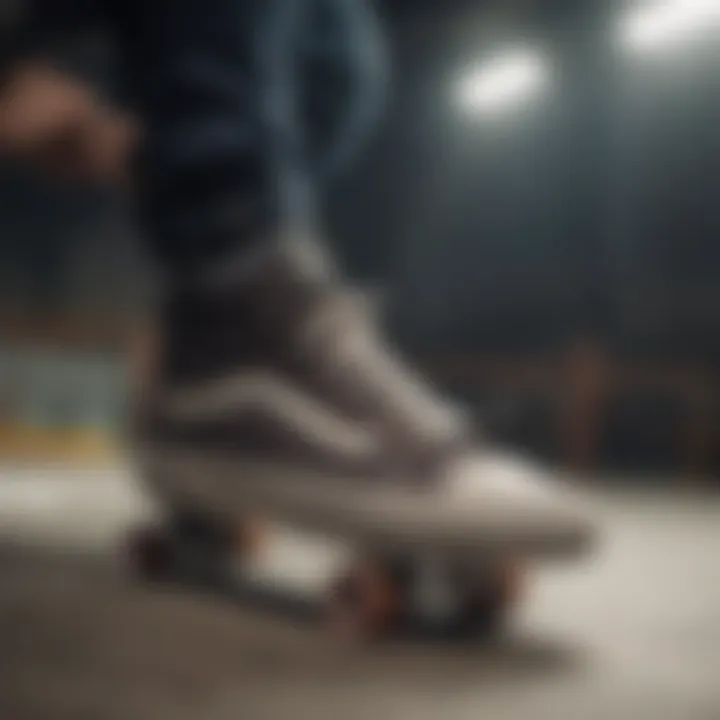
[73, 445]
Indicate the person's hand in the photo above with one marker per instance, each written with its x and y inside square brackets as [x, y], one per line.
[59, 125]
[105, 149]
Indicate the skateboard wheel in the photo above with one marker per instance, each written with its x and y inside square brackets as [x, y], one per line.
[487, 605]
[150, 554]
[366, 604]
[248, 537]
[240, 538]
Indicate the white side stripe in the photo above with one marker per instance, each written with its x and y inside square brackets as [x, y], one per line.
[267, 394]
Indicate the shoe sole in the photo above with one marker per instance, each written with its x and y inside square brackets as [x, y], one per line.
[384, 518]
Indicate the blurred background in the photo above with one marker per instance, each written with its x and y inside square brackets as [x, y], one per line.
[537, 214]
[537, 218]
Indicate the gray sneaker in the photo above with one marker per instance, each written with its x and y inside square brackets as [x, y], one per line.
[275, 393]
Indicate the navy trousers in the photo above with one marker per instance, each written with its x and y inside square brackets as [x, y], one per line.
[248, 107]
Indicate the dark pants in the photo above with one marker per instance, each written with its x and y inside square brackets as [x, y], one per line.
[248, 105]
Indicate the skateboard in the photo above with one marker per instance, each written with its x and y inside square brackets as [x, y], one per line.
[370, 561]
[356, 593]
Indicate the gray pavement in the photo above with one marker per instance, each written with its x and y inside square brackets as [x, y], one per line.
[634, 634]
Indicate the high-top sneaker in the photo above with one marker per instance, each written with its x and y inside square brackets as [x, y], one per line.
[274, 392]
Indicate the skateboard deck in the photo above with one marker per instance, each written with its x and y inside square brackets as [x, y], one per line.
[330, 580]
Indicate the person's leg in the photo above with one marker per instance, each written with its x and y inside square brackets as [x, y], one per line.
[346, 80]
[220, 160]
[272, 377]
[284, 95]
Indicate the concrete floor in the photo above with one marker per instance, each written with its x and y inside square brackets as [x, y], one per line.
[635, 634]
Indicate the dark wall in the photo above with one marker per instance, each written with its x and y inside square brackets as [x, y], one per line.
[591, 209]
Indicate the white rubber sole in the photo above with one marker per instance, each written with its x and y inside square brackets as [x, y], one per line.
[387, 518]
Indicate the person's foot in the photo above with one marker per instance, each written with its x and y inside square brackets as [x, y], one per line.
[278, 373]
[283, 362]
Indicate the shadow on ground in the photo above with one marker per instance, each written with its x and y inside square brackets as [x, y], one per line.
[78, 638]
